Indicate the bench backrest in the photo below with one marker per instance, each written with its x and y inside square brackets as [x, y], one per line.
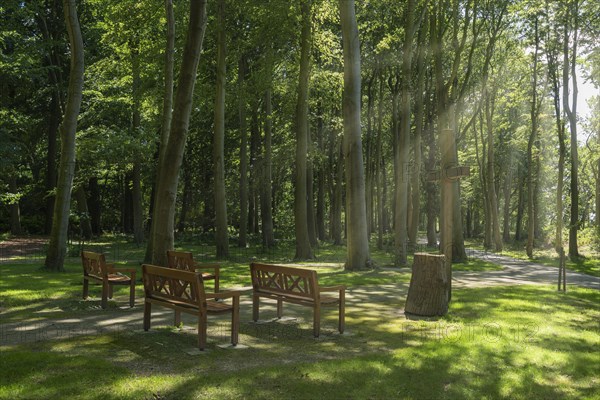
[277, 279]
[94, 264]
[180, 260]
[173, 284]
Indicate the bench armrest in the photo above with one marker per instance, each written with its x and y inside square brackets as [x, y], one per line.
[332, 288]
[200, 267]
[224, 295]
[130, 270]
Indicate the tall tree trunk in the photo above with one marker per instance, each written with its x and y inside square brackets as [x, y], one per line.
[53, 125]
[253, 203]
[15, 212]
[598, 175]
[431, 188]
[52, 33]
[553, 75]
[598, 184]
[303, 247]
[221, 235]
[530, 144]
[320, 216]
[310, 193]
[57, 247]
[403, 142]
[507, 191]
[570, 61]
[358, 243]
[491, 189]
[84, 214]
[483, 178]
[267, 186]
[419, 113]
[394, 86]
[186, 198]
[522, 183]
[169, 174]
[138, 213]
[126, 204]
[380, 165]
[243, 238]
[336, 166]
[469, 220]
[167, 113]
[369, 154]
[338, 226]
[94, 206]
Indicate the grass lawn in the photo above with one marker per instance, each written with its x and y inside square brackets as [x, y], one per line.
[523, 342]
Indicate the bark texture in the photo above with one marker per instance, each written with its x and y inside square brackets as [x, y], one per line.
[356, 213]
[57, 246]
[164, 215]
[303, 247]
[221, 235]
[427, 293]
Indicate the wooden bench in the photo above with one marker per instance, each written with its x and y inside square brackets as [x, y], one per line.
[183, 291]
[294, 285]
[96, 269]
[184, 261]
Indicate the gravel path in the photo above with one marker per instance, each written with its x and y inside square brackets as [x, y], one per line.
[518, 272]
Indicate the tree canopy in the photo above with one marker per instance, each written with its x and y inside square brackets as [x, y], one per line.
[263, 154]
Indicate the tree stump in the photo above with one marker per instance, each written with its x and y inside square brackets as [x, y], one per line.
[428, 290]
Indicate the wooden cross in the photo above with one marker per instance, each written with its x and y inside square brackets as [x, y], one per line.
[448, 175]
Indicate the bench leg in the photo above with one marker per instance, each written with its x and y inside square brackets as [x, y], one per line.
[85, 288]
[342, 310]
[202, 332]
[110, 291]
[216, 284]
[177, 319]
[235, 320]
[132, 293]
[317, 321]
[279, 308]
[105, 289]
[255, 300]
[147, 313]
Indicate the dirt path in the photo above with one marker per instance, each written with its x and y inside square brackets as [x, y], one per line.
[30, 247]
[518, 272]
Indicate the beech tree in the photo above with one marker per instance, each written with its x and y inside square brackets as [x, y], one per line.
[570, 43]
[221, 234]
[166, 190]
[303, 247]
[167, 112]
[57, 247]
[358, 242]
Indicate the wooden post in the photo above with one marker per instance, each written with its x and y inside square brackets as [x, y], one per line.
[448, 174]
[429, 283]
[562, 275]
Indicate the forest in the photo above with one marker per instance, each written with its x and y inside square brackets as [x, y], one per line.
[260, 121]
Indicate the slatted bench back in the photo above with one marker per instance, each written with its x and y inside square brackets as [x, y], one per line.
[94, 264]
[180, 260]
[183, 287]
[280, 280]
